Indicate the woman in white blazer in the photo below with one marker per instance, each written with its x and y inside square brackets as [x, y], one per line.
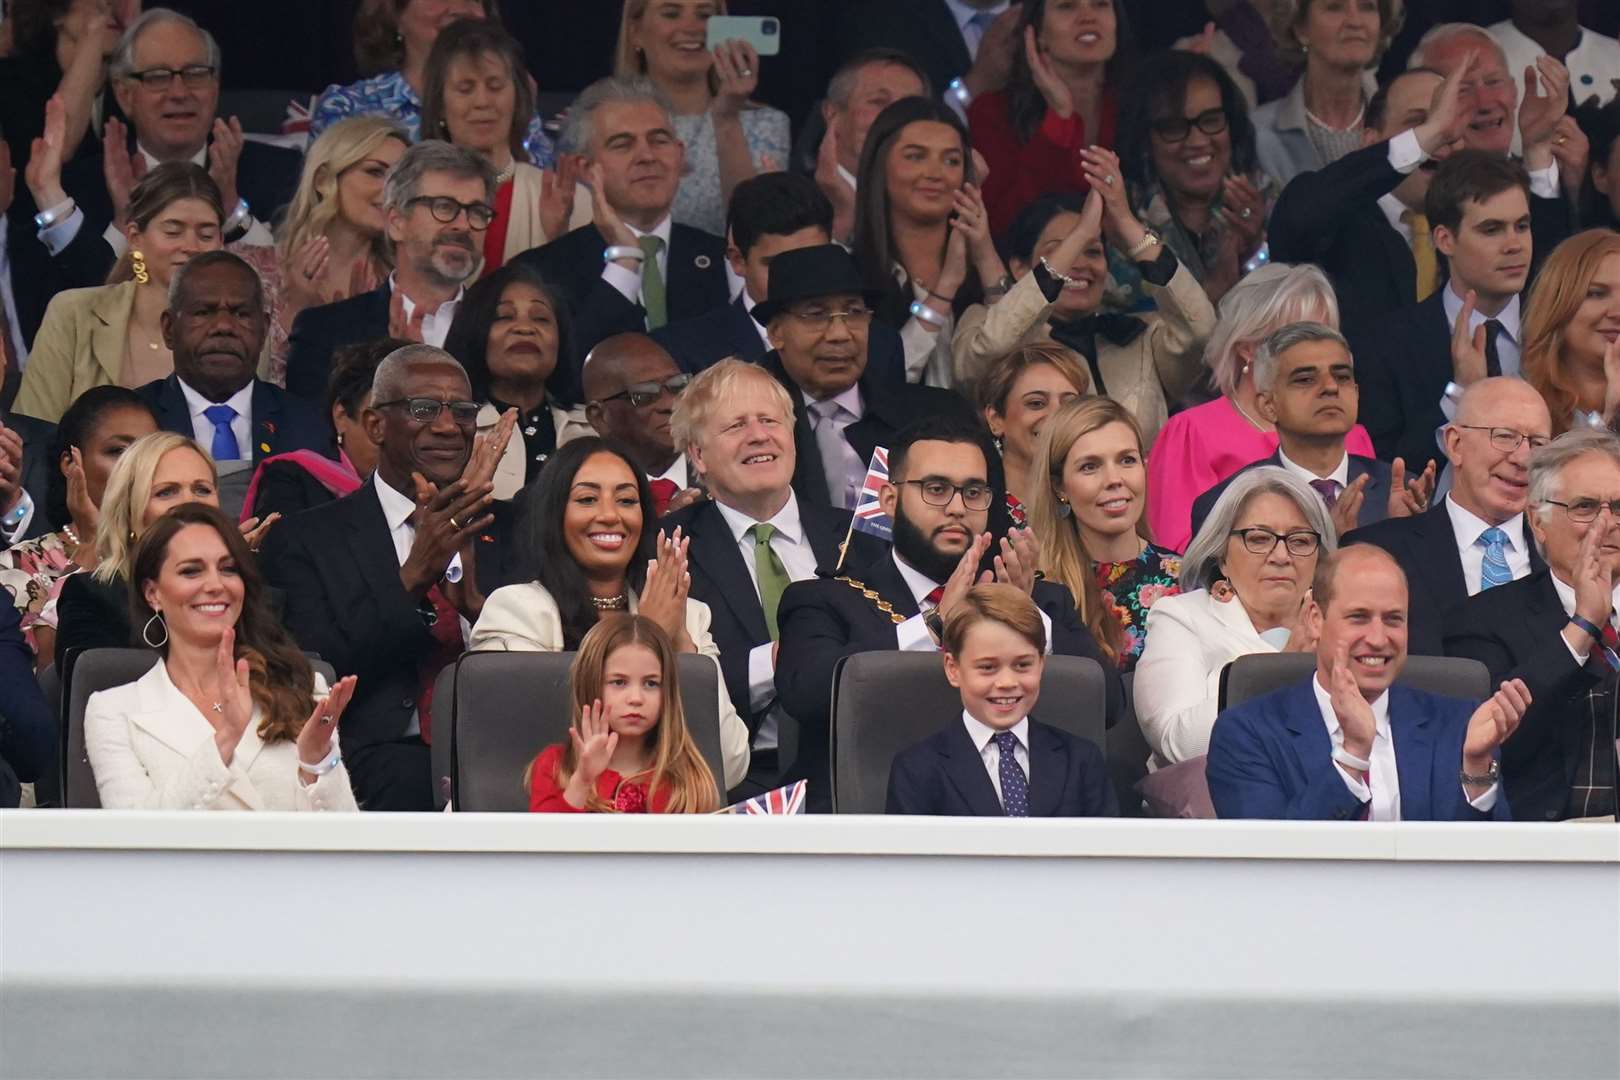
[591, 533]
[1245, 582]
[230, 717]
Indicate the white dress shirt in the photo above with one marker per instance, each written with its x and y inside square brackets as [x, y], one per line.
[844, 469]
[983, 736]
[1467, 527]
[1507, 342]
[1384, 777]
[676, 473]
[1593, 63]
[791, 545]
[628, 282]
[397, 511]
[1340, 473]
[436, 324]
[241, 427]
[1566, 596]
[912, 635]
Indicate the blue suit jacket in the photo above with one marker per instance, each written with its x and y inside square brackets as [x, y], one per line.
[1272, 758]
[28, 728]
[944, 775]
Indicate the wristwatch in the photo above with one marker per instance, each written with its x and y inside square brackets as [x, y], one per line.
[936, 625]
[1492, 775]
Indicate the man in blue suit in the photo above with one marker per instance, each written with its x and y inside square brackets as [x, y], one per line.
[1348, 744]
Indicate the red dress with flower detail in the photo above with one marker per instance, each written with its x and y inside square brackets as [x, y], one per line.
[625, 796]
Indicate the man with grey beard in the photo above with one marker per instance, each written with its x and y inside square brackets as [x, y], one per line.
[439, 200]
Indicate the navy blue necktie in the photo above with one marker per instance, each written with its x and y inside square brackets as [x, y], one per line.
[224, 445]
[1014, 785]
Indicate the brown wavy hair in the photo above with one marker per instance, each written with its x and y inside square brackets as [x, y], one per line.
[474, 39]
[1554, 298]
[677, 766]
[280, 679]
[378, 47]
[163, 186]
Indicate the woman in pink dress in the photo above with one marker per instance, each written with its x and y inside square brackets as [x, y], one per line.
[1201, 446]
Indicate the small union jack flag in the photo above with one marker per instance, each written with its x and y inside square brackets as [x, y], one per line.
[782, 800]
[869, 515]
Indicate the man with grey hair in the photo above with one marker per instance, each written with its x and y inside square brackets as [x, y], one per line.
[1555, 629]
[865, 85]
[381, 583]
[439, 200]
[165, 75]
[632, 269]
[1475, 538]
[1305, 380]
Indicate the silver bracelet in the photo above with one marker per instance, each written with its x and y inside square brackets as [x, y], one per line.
[1149, 238]
[1057, 275]
[615, 252]
[46, 218]
[920, 310]
[1345, 757]
[326, 765]
[239, 217]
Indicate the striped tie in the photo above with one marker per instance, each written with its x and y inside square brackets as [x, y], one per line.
[1494, 570]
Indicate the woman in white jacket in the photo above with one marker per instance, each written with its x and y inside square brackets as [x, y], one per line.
[1246, 582]
[231, 717]
[590, 518]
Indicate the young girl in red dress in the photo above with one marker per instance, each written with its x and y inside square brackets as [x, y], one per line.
[629, 752]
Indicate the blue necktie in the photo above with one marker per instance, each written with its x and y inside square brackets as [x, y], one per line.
[1014, 786]
[1494, 570]
[224, 446]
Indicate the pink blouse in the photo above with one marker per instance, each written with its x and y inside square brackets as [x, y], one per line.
[1197, 449]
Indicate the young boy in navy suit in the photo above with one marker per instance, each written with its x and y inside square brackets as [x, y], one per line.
[994, 760]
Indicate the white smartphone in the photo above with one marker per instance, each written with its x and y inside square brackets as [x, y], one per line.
[763, 32]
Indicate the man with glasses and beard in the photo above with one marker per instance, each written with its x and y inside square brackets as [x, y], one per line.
[946, 498]
[439, 200]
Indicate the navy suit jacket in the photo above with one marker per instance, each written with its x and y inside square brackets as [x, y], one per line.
[28, 727]
[704, 340]
[944, 775]
[1403, 363]
[1425, 546]
[319, 331]
[281, 422]
[37, 466]
[1375, 496]
[1272, 758]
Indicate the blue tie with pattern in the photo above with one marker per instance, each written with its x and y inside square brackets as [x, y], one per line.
[1014, 785]
[224, 445]
[1494, 570]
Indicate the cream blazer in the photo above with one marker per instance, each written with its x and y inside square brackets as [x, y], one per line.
[151, 749]
[1190, 639]
[523, 229]
[80, 344]
[524, 618]
[1158, 367]
[512, 468]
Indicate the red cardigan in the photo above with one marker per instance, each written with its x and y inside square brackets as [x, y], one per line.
[546, 797]
[1021, 172]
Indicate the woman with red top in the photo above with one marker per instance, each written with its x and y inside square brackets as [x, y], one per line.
[477, 94]
[629, 752]
[1059, 100]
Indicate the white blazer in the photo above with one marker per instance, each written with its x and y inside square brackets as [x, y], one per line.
[152, 750]
[524, 618]
[1190, 638]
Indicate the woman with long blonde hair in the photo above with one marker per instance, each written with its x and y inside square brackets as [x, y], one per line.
[331, 244]
[1087, 512]
[630, 750]
[1571, 351]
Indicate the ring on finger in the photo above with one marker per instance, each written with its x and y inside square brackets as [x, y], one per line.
[1109, 180]
[1246, 214]
[454, 524]
[746, 73]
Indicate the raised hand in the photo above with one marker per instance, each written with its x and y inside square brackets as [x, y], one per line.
[84, 513]
[993, 63]
[1200, 44]
[315, 737]
[1346, 512]
[1496, 719]
[254, 530]
[1540, 112]
[224, 152]
[1019, 557]
[401, 326]
[557, 189]
[684, 498]
[663, 597]
[1085, 232]
[1593, 581]
[1408, 498]
[120, 169]
[1449, 109]
[1052, 88]
[1243, 210]
[607, 220]
[231, 710]
[965, 576]
[446, 521]
[973, 220]
[1467, 350]
[593, 744]
[487, 450]
[953, 272]
[1611, 375]
[1103, 172]
[43, 174]
[834, 186]
[1301, 635]
[1354, 713]
[1572, 150]
[736, 68]
[303, 279]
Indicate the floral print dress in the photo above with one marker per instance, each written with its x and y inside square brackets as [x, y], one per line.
[1131, 588]
[33, 572]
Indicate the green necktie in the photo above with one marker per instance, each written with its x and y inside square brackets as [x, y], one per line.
[652, 283]
[770, 573]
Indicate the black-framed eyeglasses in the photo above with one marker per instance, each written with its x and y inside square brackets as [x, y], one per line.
[642, 394]
[1506, 439]
[819, 322]
[194, 76]
[975, 494]
[425, 410]
[1259, 540]
[445, 210]
[1586, 511]
[1177, 128]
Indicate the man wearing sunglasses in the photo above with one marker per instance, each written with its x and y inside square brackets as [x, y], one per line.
[1475, 538]
[631, 386]
[165, 75]
[947, 499]
[1555, 629]
[439, 200]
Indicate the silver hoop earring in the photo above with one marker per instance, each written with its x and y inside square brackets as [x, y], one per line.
[997, 440]
[146, 631]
